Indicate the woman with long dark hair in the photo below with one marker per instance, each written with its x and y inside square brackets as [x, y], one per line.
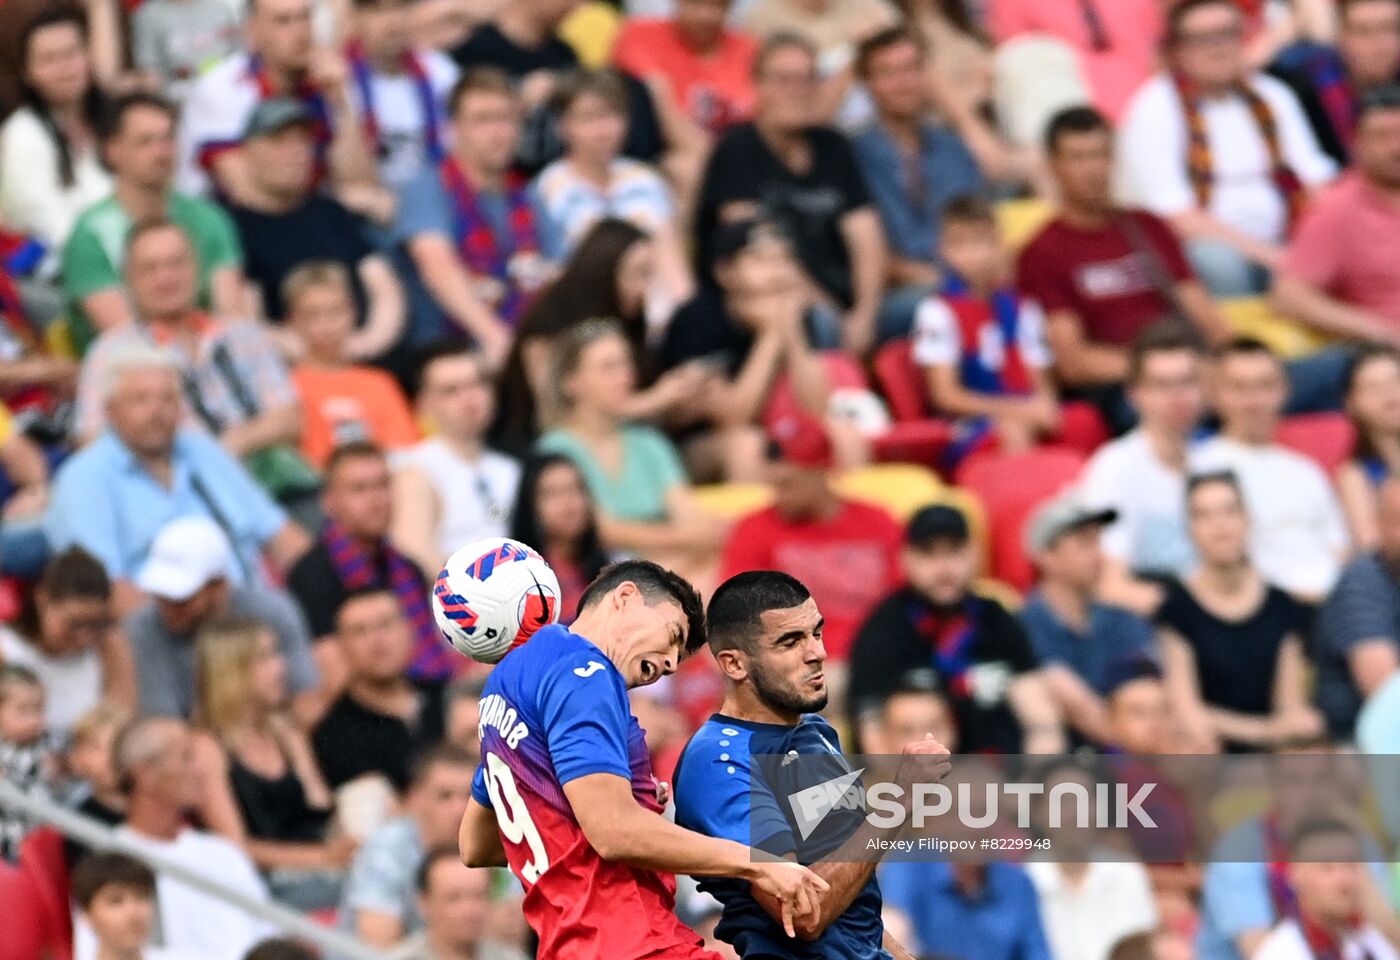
[1372, 393]
[607, 276]
[50, 170]
[554, 513]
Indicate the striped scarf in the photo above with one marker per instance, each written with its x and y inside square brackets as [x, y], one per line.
[363, 75]
[950, 638]
[357, 570]
[1328, 76]
[1200, 159]
[477, 242]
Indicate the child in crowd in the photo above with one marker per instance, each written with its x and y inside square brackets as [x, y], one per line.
[341, 402]
[117, 895]
[26, 755]
[981, 346]
[90, 760]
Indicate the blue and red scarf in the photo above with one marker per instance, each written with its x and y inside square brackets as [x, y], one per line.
[950, 636]
[477, 242]
[972, 314]
[1281, 892]
[1335, 93]
[310, 97]
[363, 75]
[357, 569]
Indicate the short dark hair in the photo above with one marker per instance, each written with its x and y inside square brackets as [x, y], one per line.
[655, 583]
[1071, 121]
[279, 948]
[738, 606]
[438, 755]
[1227, 478]
[1178, 12]
[779, 41]
[1323, 826]
[604, 84]
[1242, 346]
[1168, 336]
[1361, 357]
[428, 355]
[881, 41]
[359, 595]
[480, 80]
[354, 450]
[152, 225]
[1135, 946]
[109, 868]
[113, 115]
[423, 876]
[969, 208]
[1378, 99]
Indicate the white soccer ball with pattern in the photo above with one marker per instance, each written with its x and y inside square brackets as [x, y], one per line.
[492, 595]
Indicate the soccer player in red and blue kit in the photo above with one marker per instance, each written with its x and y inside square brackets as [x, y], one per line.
[565, 793]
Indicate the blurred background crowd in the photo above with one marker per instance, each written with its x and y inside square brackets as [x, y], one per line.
[1054, 345]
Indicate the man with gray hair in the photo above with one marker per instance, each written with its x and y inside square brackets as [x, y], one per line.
[114, 495]
[155, 763]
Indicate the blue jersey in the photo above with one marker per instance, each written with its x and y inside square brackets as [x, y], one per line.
[722, 791]
[555, 710]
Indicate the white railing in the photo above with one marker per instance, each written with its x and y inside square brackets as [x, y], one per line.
[38, 807]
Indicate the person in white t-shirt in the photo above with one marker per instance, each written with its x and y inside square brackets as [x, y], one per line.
[399, 91]
[281, 60]
[1330, 880]
[155, 761]
[117, 896]
[1298, 538]
[1142, 475]
[450, 489]
[1223, 154]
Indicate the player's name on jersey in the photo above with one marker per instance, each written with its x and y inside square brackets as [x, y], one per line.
[499, 715]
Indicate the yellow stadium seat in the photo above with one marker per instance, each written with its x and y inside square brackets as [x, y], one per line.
[900, 488]
[591, 30]
[733, 500]
[59, 339]
[1020, 220]
[1254, 317]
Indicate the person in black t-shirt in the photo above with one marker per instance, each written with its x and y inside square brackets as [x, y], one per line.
[381, 719]
[979, 651]
[283, 221]
[760, 325]
[524, 41]
[1232, 644]
[804, 177]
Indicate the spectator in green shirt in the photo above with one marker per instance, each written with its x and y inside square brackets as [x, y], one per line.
[137, 136]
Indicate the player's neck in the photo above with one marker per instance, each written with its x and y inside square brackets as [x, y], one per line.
[741, 704]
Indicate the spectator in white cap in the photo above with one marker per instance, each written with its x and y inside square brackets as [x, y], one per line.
[1079, 642]
[113, 496]
[188, 576]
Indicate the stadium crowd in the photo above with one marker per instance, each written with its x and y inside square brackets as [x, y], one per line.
[1054, 345]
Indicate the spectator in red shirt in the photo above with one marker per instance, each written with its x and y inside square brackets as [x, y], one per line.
[1103, 274]
[847, 553]
[1341, 273]
[704, 67]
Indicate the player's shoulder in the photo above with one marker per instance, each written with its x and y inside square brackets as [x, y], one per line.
[815, 733]
[720, 743]
[554, 654]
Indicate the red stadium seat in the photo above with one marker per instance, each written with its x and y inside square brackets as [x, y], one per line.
[1325, 437]
[1010, 487]
[901, 381]
[35, 896]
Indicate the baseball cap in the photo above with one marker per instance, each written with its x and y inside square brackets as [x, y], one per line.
[1059, 516]
[802, 442]
[274, 114]
[937, 522]
[188, 553]
[732, 239]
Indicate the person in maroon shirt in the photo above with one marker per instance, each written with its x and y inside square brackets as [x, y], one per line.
[1102, 274]
[846, 552]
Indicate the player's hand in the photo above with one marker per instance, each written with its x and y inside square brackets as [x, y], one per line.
[927, 760]
[663, 792]
[796, 888]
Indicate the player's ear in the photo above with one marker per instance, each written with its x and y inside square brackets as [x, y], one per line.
[733, 664]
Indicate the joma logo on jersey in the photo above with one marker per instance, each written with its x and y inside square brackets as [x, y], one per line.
[498, 715]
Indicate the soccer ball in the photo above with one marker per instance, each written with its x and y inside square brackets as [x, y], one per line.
[492, 595]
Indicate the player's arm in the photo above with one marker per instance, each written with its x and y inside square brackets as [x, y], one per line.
[621, 831]
[479, 838]
[846, 875]
[896, 949]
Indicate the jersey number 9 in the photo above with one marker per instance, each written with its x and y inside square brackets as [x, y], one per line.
[513, 817]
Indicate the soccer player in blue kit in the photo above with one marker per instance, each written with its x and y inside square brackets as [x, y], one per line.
[766, 634]
[565, 794]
